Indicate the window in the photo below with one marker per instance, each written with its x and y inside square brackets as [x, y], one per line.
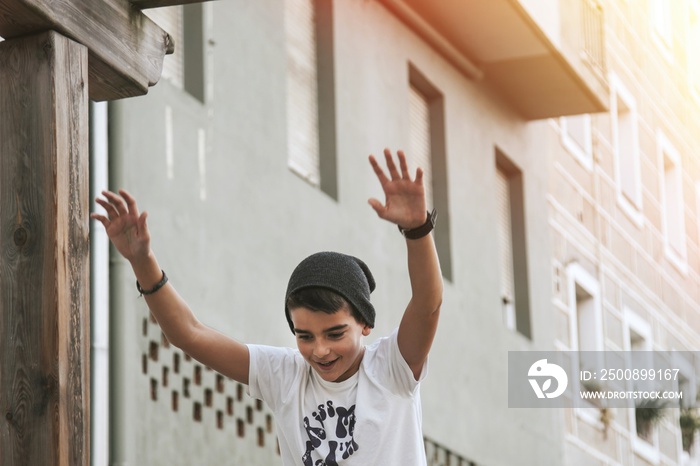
[586, 325]
[426, 148]
[419, 140]
[623, 111]
[692, 48]
[512, 246]
[505, 243]
[671, 199]
[576, 138]
[584, 303]
[310, 92]
[194, 50]
[687, 383]
[660, 13]
[644, 416]
[184, 68]
[697, 210]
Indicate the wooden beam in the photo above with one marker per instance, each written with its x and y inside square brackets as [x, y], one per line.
[44, 258]
[143, 4]
[126, 49]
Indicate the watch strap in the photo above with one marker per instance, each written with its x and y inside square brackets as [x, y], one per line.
[421, 231]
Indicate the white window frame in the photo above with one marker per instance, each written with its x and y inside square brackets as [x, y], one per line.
[697, 209]
[693, 53]
[661, 20]
[584, 155]
[577, 276]
[676, 254]
[631, 206]
[633, 322]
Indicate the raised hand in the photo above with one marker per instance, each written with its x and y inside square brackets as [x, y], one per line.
[404, 198]
[125, 227]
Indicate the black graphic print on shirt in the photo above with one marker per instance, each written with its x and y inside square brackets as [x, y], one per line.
[331, 435]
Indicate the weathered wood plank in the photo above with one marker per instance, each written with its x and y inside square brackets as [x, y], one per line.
[143, 4]
[126, 49]
[44, 263]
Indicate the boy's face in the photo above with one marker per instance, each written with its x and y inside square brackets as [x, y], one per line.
[332, 343]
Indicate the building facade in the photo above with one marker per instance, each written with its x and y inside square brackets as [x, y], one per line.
[623, 215]
[560, 142]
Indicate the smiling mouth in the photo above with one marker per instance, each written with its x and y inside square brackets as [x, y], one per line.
[326, 365]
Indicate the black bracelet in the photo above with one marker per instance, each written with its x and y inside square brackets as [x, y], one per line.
[423, 230]
[157, 287]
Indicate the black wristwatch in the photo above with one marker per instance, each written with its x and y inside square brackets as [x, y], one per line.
[421, 231]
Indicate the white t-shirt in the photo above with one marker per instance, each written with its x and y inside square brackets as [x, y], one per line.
[371, 419]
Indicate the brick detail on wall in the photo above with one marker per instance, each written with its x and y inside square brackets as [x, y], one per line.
[171, 376]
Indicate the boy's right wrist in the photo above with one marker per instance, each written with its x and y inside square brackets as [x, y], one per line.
[144, 263]
[148, 272]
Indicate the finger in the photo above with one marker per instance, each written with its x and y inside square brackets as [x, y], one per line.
[111, 211]
[102, 219]
[378, 170]
[130, 202]
[378, 207]
[143, 228]
[117, 201]
[404, 165]
[419, 176]
[390, 165]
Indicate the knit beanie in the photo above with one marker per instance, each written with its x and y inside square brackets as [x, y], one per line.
[345, 275]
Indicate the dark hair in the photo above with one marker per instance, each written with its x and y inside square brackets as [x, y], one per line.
[321, 300]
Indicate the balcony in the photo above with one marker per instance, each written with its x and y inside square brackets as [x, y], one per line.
[545, 57]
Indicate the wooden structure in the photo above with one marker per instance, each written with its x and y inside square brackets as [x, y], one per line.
[57, 55]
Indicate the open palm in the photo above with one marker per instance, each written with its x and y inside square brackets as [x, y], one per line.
[404, 198]
[125, 227]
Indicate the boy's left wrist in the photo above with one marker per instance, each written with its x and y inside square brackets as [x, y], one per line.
[421, 230]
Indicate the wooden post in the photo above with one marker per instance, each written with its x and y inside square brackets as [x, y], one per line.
[44, 277]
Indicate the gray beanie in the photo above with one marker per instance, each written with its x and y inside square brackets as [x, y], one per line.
[346, 275]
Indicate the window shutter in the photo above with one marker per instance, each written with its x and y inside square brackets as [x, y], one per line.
[505, 237]
[170, 20]
[419, 154]
[302, 89]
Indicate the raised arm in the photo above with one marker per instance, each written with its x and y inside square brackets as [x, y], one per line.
[128, 231]
[405, 206]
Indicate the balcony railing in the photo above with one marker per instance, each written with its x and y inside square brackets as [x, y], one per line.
[438, 455]
[593, 35]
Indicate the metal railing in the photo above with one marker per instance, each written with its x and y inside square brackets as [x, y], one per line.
[439, 455]
[593, 28]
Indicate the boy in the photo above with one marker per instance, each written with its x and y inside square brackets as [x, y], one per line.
[336, 402]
